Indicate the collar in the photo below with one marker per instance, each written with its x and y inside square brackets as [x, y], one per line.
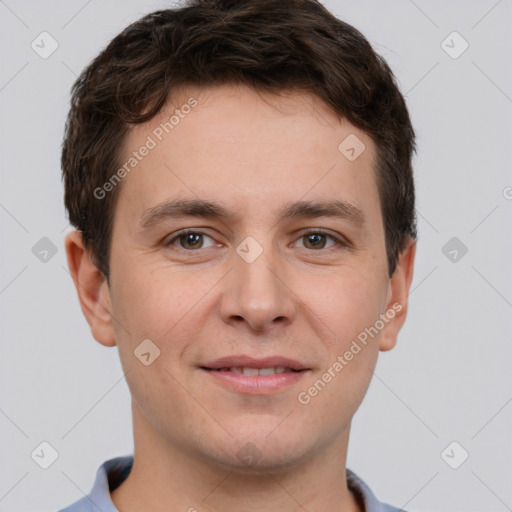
[114, 471]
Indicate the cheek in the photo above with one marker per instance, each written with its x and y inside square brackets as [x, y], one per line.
[348, 308]
[347, 304]
[335, 392]
[150, 306]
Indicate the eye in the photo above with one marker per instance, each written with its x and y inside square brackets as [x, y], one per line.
[316, 240]
[190, 240]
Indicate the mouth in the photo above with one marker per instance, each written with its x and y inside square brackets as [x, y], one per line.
[251, 371]
[255, 381]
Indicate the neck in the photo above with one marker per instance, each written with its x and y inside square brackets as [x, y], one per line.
[168, 477]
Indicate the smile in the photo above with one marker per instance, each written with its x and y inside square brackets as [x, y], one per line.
[255, 371]
[256, 381]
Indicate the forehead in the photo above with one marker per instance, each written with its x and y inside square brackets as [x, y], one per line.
[249, 148]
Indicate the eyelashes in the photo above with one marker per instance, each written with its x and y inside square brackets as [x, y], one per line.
[186, 234]
[338, 242]
[195, 238]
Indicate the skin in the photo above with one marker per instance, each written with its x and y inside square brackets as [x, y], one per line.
[253, 153]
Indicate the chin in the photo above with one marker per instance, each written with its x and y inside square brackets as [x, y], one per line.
[260, 451]
[249, 461]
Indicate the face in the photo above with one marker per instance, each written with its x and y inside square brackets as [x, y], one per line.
[288, 262]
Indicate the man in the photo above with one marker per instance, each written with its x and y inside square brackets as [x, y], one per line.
[239, 174]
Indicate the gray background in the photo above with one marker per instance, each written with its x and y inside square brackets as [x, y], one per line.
[449, 377]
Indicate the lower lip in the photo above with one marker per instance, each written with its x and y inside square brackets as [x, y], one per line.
[256, 384]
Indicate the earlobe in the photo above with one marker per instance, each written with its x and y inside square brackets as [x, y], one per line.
[92, 289]
[397, 299]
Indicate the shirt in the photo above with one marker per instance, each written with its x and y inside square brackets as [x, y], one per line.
[114, 471]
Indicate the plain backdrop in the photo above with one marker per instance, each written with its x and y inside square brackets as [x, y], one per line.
[448, 380]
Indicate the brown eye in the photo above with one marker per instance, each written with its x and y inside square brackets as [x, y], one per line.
[317, 240]
[189, 240]
[314, 240]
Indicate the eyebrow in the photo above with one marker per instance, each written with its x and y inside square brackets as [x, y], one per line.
[179, 208]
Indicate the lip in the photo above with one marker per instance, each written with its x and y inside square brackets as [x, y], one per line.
[251, 362]
[255, 384]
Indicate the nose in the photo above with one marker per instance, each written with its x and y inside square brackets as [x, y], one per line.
[257, 293]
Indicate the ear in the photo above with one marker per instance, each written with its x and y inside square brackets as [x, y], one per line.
[92, 289]
[397, 299]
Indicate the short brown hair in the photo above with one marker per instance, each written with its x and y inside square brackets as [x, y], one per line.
[270, 45]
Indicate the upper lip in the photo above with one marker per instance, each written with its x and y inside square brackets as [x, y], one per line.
[244, 361]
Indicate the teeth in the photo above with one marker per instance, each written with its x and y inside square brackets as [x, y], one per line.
[267, 371]
[250, 371]
[258, 371]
